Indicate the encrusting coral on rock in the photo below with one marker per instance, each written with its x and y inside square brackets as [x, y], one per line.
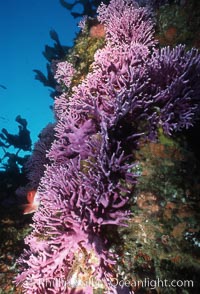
[132, 90]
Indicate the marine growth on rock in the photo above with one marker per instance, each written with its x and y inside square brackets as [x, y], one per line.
[133, 89]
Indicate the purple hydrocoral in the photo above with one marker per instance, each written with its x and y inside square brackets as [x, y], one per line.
[35, 166]
[98, 178]
[66, 230]
[132, 90]
[120, 17]
[174, 86]
[64, 73]
[72, 139]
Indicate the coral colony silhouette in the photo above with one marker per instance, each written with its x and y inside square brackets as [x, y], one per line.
[12, 164]
[20, 141]
[132, 90]
[88, 7]
[58, 51]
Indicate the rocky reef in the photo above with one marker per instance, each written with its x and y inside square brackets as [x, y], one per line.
[119, 194]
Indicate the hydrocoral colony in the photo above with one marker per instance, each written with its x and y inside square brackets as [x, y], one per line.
[132, 90]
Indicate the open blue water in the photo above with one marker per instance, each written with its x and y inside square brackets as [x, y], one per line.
[24, 31]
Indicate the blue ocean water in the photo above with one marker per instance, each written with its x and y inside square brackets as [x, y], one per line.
[24, 31]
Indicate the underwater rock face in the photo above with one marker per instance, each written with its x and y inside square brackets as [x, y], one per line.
[131, 93]
[162, 238]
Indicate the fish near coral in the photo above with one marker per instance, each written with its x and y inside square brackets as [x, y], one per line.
[33, 202]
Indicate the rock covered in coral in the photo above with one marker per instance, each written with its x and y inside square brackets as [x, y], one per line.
[132, 90]
[35, 166]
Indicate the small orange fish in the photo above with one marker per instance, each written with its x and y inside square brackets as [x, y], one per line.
[33, 202]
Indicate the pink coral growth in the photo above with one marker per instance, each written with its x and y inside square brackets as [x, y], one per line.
[175, 87]
[126, 23]
[63, 233]
[64, 73]
[131, 90]
[72, 139]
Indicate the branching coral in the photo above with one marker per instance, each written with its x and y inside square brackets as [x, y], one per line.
[131, 91]
[64, 73]
[35, 165]
[175, 86]
[125, 23]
